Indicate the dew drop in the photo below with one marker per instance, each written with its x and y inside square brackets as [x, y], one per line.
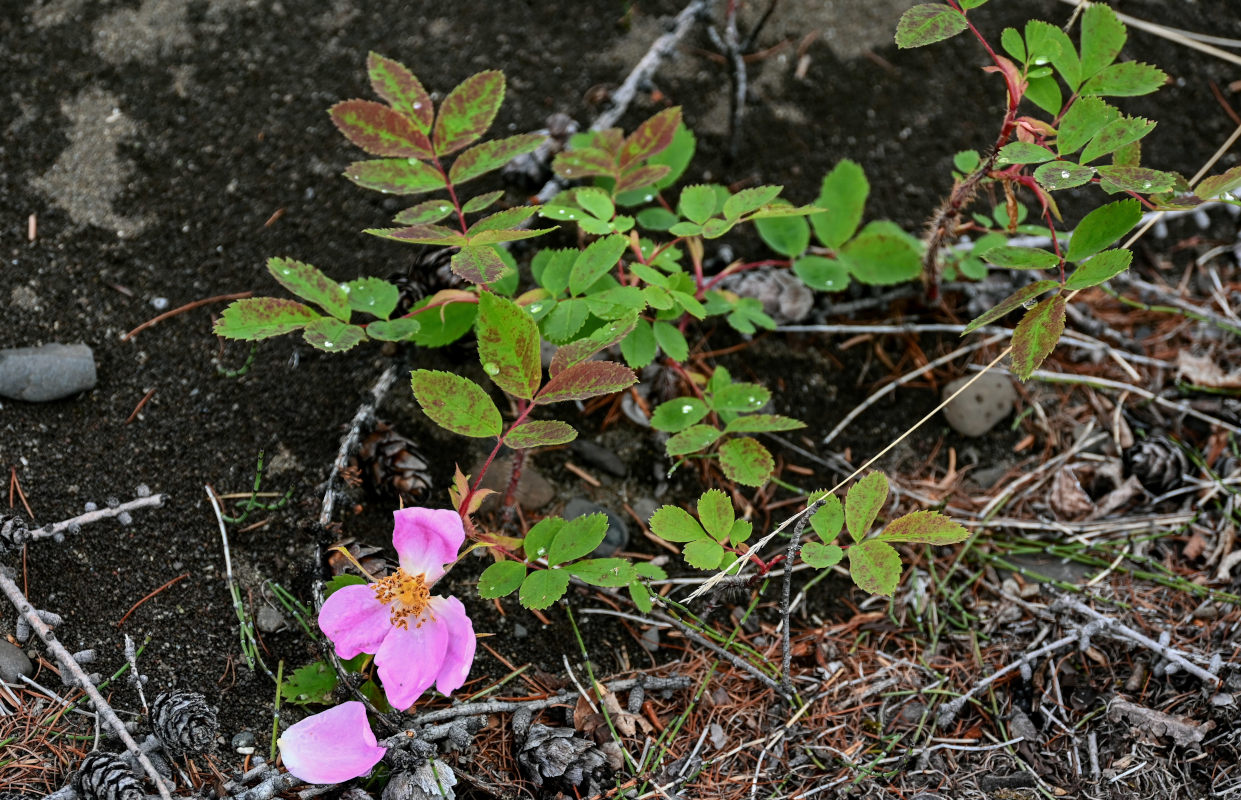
[1146, 184]
[417, 106]
[686, 408]
[1064, 173]
[491, 368]
[327, 343]
[649, 198]
[536, 308]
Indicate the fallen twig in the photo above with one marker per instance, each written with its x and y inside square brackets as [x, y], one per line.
[731, 658]
[350, 441]
[182, 309]
[71, 525]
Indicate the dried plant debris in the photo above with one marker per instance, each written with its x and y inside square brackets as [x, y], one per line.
[557, 759]
[1158, 464]
[13, 532]
[184, 723]
[104, 776]
[392, 465]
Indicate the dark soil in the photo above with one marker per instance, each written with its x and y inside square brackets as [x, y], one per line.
[156, 143]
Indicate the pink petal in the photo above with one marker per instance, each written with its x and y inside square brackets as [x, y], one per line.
[451, 615]
[426, 539]
[355, 620]
[409, 660]
[331, 747]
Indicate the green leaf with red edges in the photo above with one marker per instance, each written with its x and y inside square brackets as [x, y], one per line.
[478, 264]
[508, 345]
[1011, 303]
[393, 81]
[599, 339]
[1101, 267]
[261, 317]
[492, 154]
[641, 177]
[875, 567]
[692, 439]
[455, 403]
[309, 283]
[395, 176]
[1115, 178]
[510, 235]
[503, 220]
[379, 130]
[421, 234]
[863, 502]
[651, 137]
[543, 587]
[539, 433]
[586, 379]
[332, 335]
[584, 162]
[428, 211]
[1212, 187]
[746, 461]
[924, 527]
[1036, 335]
[927, 23]
[468, 111]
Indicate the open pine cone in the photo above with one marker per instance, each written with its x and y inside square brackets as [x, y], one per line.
[392, 465]
[1157, 463]
[103, 776]
[559, 760]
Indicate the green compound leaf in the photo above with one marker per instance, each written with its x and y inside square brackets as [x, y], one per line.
[1058, 175]
[829, 519]
[747, 200]
[372, 296]
[599, 339]
[1023, 153]
[1115, 135]
[508, 345]
[746, 461]
[1011, 303]
[875, 567]
[697, 203]
[1103, 36]
[692, 439]
[671, 341]
[478, 264]
[821, 556]
[863, 502]
[612, 572]
[468, 111]
[639, 347]
[843, 194]
[455, 403]
[883, 254]
[1102, 227]
[539, 433]
[586, 379]
[332, 335]
[675, 524]
[395, 175]
[1082, 122]
[715, 511]
[311, 684]
[393, 81]
[763, 423]
[1100, 268]
[543, 587]
[310, 284]
[924, 527]
[1036, 335]
[500, 579]
[1021, 257]
[703, 554]
[379, 130]
[1127, 79]
[578, 537]
[263, 317]
[428, 211]
[597, 260]
[651, 137]
[481, 202]
[928, 23]
[824, 274]
[1136, 179]
[491, 155]
[678, 414]
[641, 597]
[740, 397]
[401, 329]
[1214, 186]
[789, 236]
[539, 538]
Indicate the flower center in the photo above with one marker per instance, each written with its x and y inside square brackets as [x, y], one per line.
[408, 595]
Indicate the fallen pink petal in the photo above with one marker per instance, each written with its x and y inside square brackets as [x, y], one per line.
[331, 747]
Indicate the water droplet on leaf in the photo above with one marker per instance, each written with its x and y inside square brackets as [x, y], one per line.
[491, 368]
[1064, 173]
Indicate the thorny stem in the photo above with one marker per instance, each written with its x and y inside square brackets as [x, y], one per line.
[785, 599]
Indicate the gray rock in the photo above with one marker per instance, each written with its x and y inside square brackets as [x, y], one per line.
[244, 743]
[979, 408]
[269, 620]
[48, 372]
[617, 536]
[13, 662]
[600, 457]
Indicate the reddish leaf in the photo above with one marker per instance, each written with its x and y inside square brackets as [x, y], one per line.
[606, 336]
[583, 162]
[261, 317]
[1013, 301]
[586, 379]
[493, 154]
[480, 264]
[503, 220]
[379, 130]
[1036, 335]
[641, 177]
[393, 81]
[427, 211]
[508, 345]
[395, 175]
[467, 111]
[1212, 187]
[539, 433]
[651, 137]
[308, 283]
[875, 567]
[925, 527]
[456, 403]
[421, 234]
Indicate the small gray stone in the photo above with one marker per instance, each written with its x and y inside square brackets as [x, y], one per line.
[650, 639]
[244, 743]
[48, 372]
[13, 662]
[979, 408]
[520, 631]
[269, 620]
[600, 457]
[617, 536]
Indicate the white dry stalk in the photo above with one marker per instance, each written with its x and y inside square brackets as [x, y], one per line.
[52, 529]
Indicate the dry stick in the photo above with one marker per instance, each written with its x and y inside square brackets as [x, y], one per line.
[182, 309]
[730, 46]
[500, 706]
[786, 655]
[52, 529]
[350, 440]
[949, 711]
[731, 658]
[62, 655]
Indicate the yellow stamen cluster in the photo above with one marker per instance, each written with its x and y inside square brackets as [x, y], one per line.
[408, 595]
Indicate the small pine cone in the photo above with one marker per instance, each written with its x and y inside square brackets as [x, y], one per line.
[393, 465]
[1158, 464]
[103, 776]
[13, 532]
[561, 761]
[184, 722]
[430, 273]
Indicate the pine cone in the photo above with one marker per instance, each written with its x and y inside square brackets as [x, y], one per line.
[103, 776]
[430, 273]
[1158, 464]
[13, 532]
[564, 762]
[184, 722]
[393, 465]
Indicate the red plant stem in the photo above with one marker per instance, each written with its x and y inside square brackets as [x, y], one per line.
[524, 408]
[452, 195]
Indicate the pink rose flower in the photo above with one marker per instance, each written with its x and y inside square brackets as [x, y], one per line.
[331, 747]
[418, 638]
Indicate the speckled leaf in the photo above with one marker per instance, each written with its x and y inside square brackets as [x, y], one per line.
[1102, 35]
[455, 403]
[1036, 335]
[651, 137]
[490, 155]
[715, 511]
[1084, 119]
[863, 502]
[924, 527]
[500, 579]
[262, 317]
[539, 433]
[746, 461]
[372, 295]
[477, 264]
[692, 439]
[747, 200]
[829, 519]
[577, 538]
[703, 554]
[641, 177]
[675, 524]
[310, 284]
[332, 335]
[599, 339]
[1102, 227]
[583, 162]
[1011, 303]
[928, 23]
[428, 211]
[612, 572]
[1056, 175]
[1214, 186]
[380, 130]
[1115, 135]
[393, 81]
[543, 587]
[1127, 79]
[875, 567]
[508, 345]
[395, 175]
[421, 234]
[401, 329]
[1101, 267]
[468, 111]
[586, 379]
[482, 201]
[1116, 178]
[763, 423]
[821, 556]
